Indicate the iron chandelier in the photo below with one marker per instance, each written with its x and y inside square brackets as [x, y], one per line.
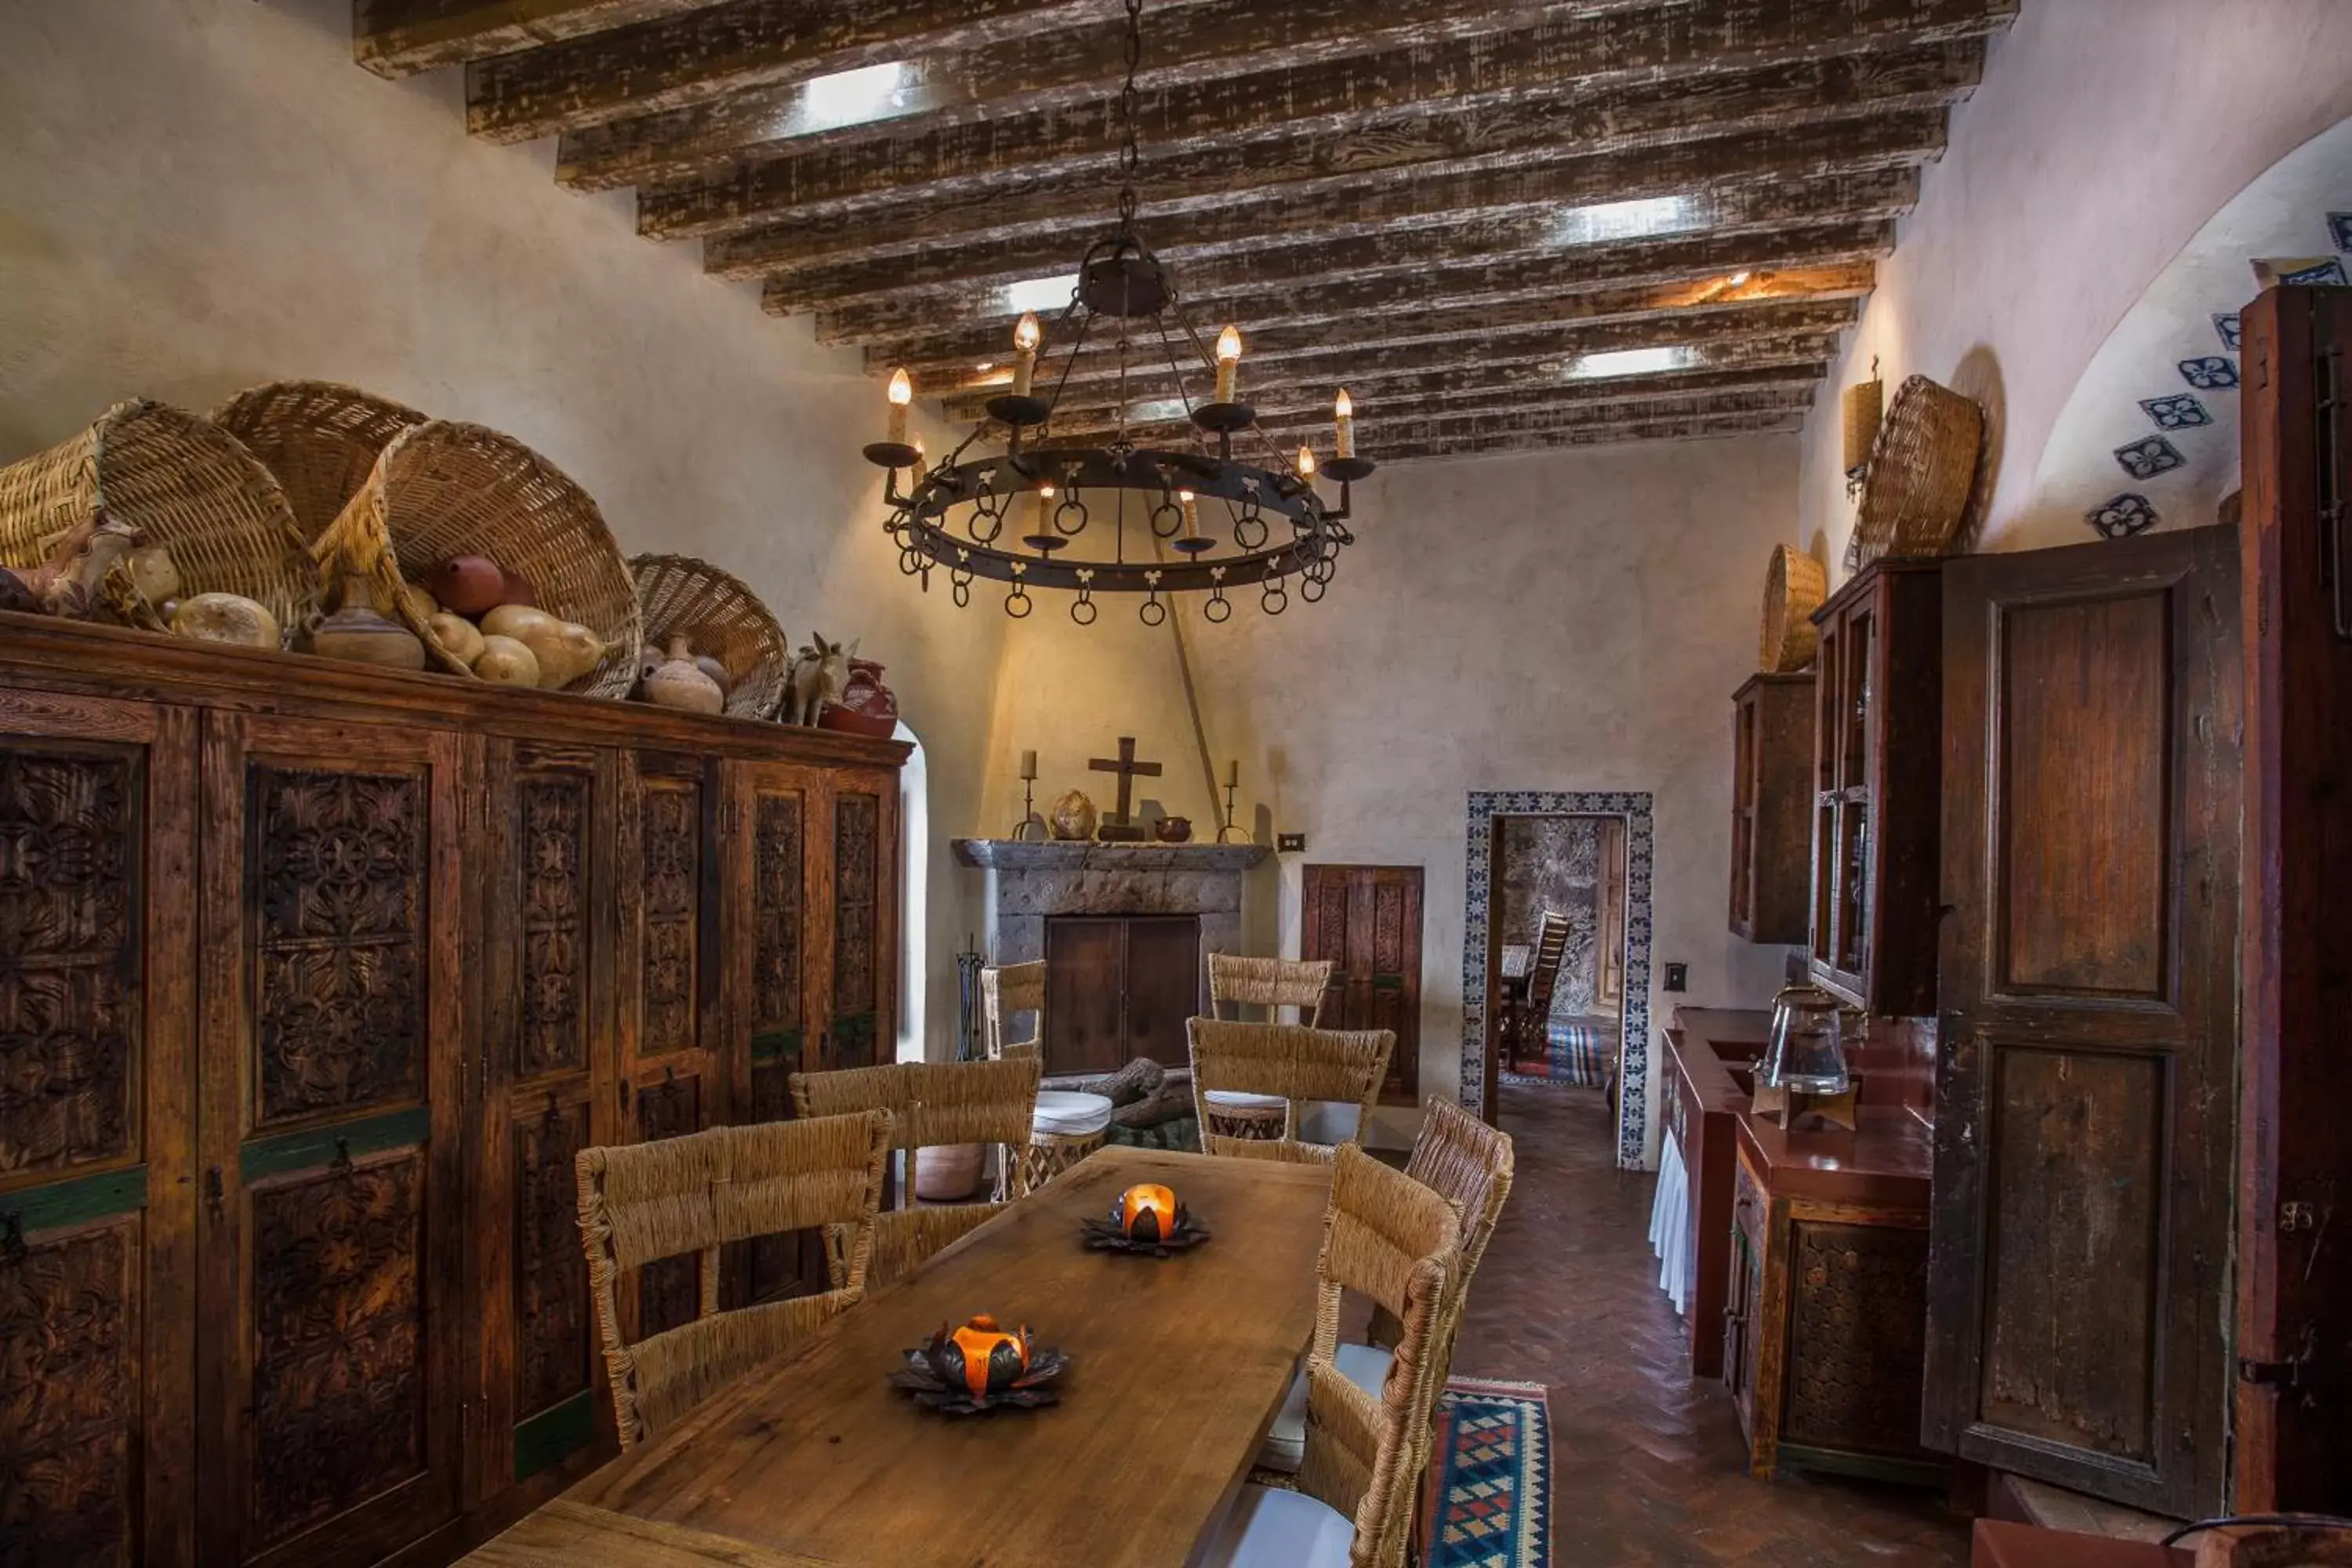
[1132, 505]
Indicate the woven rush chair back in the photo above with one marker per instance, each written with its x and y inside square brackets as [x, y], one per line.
[1270, 983]
[641, 1203]
[1471, 1165]
[1399, 1242]
[931, 1104]
[1302, 1064]
[1543, 966]
[1008, 988]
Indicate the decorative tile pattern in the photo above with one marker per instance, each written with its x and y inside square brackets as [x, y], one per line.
[2339, 230]
[2145, 459]
[2327, 272]
[1633, 805]
[2213, 373]
[2182, 412]
[2125, 515]
[2226, 328]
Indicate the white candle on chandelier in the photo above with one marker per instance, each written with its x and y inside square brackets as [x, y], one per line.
[1191, 507]
[1306, 464]
[1229, 360]
[1044, 508]
[902, 393]
[1343, 425]
[1025, 339]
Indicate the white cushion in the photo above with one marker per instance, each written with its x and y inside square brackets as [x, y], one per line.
[1328, 1121]
[1272, 1529]
[1068, 1113]
[1238, 1100]
[1366, 1366]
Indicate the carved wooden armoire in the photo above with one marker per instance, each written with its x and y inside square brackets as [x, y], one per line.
[313, 981]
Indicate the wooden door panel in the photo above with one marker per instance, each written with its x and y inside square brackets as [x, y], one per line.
[862, 1030]
[1367, 921]
[2083, 1162]
[97, 1204]
[1161, 974]
[330, 1109]
[1086, 1029]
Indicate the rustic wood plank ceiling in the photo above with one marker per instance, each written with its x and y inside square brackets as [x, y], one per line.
[1501, 227]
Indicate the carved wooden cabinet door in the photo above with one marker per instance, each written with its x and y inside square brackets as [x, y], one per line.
[549, 1063]
[668, 895]
[771, 883]
[860, 831]
[331, 1346]
[97, 985]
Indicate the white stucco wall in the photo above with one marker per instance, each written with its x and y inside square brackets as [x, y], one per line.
[2105, 133]
[199, 195]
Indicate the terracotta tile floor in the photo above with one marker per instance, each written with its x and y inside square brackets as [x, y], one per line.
[1647, 1466]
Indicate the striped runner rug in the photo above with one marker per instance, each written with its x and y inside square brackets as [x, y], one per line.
[1489, 1497]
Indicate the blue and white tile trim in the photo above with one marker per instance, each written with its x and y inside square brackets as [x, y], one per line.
[1634, 807]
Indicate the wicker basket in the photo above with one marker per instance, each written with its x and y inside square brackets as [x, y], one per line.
[1864, 405]
[1923, 469]
[442, 488]
[320, 440]
[185, 485]
[1794, 586]
[718, 616]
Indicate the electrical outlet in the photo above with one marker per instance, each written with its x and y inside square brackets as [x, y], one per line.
[1290, 842]
[1677, 976]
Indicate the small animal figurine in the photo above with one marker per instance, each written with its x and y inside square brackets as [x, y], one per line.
[68, 582]
[820, 675]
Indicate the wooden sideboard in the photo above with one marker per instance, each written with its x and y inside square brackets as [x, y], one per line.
[313, 981]
[1705, 1089]
[1825, 1333]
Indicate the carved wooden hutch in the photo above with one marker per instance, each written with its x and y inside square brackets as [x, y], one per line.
[1772, 805]
[313, 979]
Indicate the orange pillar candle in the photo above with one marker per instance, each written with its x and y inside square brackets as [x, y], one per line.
[1150, 1199]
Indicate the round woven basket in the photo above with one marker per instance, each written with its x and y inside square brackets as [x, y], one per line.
[320, 438]
[1794, 586]
[185, 484]
[718, 616]
[442, 489]
[1923, 467]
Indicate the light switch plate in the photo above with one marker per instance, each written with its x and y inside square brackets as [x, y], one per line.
[1677, 976]
[1290, 842]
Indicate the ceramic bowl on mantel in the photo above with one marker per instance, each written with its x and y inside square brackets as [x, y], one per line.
[1173, 830]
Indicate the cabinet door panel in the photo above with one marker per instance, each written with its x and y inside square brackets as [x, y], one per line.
[97, 871]
[863, 1026]
[331, 1109]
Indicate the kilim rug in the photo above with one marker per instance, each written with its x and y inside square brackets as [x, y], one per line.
[1490, 1478]
[1578, 1053]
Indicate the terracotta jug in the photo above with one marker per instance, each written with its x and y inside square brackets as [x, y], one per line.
[677, 683]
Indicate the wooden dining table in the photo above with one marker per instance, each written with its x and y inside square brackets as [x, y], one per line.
[1177, 1368]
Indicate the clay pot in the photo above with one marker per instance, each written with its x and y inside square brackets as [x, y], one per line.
[470, 584]
[362, 634]
[713, 669]
[1173, 830]
[1073, 817]
[678, 684]
[949, 1173]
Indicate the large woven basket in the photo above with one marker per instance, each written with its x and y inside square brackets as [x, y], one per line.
[320, 438]
[185, 485]
[1794, 586]
[1923, 467]
[718, 616]
[442, 489]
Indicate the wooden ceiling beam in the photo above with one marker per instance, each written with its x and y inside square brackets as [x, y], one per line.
[400, 37]
[1226, 42]
[1474, 390]
[1199, 151]
[1352, 165]
[1404, 306]
[1774, 335]
[1742, 183]
[1706, 429]
[1290, 283]
[703, 55]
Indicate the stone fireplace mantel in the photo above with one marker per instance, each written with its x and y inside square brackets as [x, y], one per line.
[1083, 855]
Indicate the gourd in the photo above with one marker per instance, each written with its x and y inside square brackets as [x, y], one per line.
[457, 637]
[225, 617]
[503, 662]
[564, 649]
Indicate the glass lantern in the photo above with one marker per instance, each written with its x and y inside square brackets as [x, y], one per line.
[1807, 1054]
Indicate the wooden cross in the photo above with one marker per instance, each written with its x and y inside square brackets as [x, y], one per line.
[1128, 770]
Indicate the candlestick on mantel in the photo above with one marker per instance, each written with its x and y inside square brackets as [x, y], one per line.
[902, 393]
[1025, 339]
[1029, 766]
[1229, 359]
[1226, 831]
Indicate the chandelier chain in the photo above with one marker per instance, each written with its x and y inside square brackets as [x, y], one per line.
[1130, 155]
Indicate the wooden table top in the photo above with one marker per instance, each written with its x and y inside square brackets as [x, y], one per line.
[1178, 1370]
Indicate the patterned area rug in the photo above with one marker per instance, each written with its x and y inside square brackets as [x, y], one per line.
[1490, 1478]
[1577, 1052]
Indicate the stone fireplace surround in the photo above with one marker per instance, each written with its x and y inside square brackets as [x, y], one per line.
[1029, 881]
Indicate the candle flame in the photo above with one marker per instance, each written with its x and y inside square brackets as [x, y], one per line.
[1229, 343]
[1343, 406]
[1306, 462]
[1028, 334]
[902, 387]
